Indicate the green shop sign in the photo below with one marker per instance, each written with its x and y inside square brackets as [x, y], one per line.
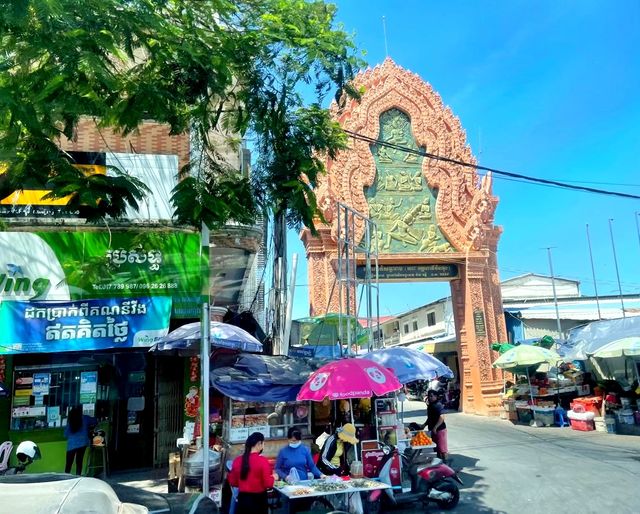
[82, 265]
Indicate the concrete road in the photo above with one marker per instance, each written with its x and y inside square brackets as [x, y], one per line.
[510, 468]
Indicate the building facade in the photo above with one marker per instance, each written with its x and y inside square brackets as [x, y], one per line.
[82, 303]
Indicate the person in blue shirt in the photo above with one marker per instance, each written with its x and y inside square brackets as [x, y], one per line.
[296, 456]
[77, 434]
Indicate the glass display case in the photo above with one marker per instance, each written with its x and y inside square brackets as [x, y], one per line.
[273, 420]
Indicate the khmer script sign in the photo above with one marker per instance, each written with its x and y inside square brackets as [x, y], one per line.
[412, 272]
[78, 265]
[46, 327]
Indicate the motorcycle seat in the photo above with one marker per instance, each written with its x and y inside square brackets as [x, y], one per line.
[431, 464]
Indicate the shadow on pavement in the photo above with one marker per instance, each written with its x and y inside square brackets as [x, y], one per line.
[161, 503]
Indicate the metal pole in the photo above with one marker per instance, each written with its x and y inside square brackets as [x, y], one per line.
[555, 296]
[288, 320]
[204, 423]
[615, 261]
[637, 216]
[347, 282]
[339, 279]
[593, 272]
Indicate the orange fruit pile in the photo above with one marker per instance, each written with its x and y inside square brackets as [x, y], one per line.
[421, 439]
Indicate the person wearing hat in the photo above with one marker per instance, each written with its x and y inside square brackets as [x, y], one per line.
[333, 456]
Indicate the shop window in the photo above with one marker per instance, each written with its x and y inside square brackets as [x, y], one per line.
[431, 319]
[43, 395]
[273, 420]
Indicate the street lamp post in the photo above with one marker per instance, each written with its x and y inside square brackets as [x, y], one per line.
[593, 272]
[555, 296]
[615, 261]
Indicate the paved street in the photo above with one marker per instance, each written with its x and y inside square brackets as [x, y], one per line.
[518, 469]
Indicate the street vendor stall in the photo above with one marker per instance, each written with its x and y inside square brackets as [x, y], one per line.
[619, 360]
[532, 400]
[347, 379]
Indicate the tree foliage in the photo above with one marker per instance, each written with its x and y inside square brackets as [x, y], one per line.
[242, 66]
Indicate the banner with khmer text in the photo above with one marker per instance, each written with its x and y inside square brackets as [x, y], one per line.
[46, 327]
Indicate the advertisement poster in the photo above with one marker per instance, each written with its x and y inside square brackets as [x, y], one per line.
[53, 415]
[72, 266]
[88, 386]
[41, 382]
[46, 327]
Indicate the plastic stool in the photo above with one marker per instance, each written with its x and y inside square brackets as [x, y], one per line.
[101, 452]
[560, 417]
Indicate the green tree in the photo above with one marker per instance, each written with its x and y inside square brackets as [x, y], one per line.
[238, 66]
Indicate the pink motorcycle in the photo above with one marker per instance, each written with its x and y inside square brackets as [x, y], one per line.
[415, 480]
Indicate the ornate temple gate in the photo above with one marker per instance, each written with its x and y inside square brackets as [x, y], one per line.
[434, 218]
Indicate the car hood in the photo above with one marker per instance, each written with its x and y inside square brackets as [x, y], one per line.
[55, 493]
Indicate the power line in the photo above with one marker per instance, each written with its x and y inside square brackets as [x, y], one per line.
[501, 173]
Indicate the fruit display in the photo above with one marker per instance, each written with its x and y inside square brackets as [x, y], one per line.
[421, 439]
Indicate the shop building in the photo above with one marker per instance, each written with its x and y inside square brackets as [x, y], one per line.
[81, 304]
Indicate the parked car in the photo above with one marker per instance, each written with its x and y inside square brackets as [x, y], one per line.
[60, 493]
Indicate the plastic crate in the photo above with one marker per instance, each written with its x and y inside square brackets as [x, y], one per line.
[544, 416]
[524, 415]
[587, 404]
[582, 425]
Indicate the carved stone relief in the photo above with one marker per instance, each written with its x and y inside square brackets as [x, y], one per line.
[426, 210]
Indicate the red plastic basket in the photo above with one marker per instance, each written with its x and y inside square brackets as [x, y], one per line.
[587, 404]
[582, 425]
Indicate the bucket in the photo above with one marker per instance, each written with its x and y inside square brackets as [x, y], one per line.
[627, 417]
[600, 424]
[610, 424]
[356, 469]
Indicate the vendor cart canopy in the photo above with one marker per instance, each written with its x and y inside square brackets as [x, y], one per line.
[262, 378]
[185, 340]
[588, 339]
[410, 365]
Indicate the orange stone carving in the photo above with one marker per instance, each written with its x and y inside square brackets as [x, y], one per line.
[464, 211]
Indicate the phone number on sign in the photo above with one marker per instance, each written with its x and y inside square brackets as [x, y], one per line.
[134, 287]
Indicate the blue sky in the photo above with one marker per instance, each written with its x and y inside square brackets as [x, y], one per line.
[544, 88]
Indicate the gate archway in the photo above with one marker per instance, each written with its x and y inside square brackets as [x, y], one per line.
[432, 215]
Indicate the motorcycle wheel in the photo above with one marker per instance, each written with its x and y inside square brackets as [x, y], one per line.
[448, 487]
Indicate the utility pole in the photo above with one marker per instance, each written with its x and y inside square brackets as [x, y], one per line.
[279, 282]
[615, 261]
[637, 216]
[593, 272]
[555, 296]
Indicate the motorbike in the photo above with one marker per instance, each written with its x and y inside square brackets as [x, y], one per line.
[26, 453]
[422, 481]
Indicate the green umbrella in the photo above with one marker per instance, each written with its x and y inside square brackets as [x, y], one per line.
[325, 329]
[524, 356]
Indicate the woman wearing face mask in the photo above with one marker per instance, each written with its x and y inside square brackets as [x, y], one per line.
[296, 456]
[251, 474]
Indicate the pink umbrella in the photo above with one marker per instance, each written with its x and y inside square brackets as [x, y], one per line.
[349, 378]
